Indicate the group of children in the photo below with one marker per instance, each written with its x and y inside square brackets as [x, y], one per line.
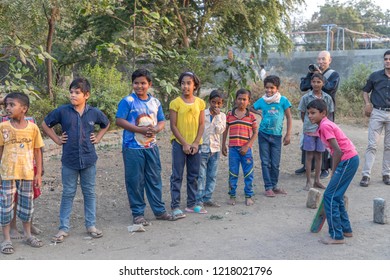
[198, 137]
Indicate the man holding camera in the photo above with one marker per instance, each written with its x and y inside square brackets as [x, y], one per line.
[332, 80]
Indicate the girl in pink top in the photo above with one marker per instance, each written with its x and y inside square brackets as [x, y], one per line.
[344, 166]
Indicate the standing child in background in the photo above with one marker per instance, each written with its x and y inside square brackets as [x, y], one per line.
[187, 124]
[273, 108]
[215, 124]
[344, 166]
[20, 145]
[141, 116]
[312, 144]
[79, 157]
[241, 127]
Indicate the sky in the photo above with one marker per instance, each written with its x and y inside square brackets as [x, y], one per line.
[313, 6]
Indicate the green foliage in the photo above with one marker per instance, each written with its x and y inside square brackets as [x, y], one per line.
[39, 109]
[237, 74]
[350, 94]
[107, 88]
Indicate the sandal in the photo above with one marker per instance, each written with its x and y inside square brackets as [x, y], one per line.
[7, 248]
[94, 232]
[279, 191]
[33, 242]
[178, 214]
[211, 204]
[166, 217]
[59, 237]
[140, 220]
[197, 209]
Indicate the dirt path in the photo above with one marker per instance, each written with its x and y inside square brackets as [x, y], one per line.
[273, 228]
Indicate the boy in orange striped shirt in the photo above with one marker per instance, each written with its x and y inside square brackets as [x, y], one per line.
[241, 127]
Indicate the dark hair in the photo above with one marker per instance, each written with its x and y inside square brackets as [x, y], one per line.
[243, 91]
[318, 104]
[262, 65]
[194, 78]
[141, 73]
[386, 53]
[23, 98]
[273, 79]
[319, 76]
[82, 84]
[216, 93]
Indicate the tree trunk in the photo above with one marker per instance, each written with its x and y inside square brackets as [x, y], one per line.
[49, 42]
[186, 42]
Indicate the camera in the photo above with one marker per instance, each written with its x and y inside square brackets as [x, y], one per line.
[313, 68]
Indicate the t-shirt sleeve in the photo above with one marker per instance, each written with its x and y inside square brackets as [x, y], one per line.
[302, 104]
[328, 132]
[160, 114]
[174, 105]
[53, 118]
[103, 121]
[257, 104]
[38, 141]
[202, 104]
[123, 109]
[286, 103]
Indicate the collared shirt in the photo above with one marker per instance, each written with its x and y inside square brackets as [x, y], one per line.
[139, 112]
[330, 86]
[240, 130]
[329, 130]
[214, 127]
[379, 85]
[78, 152]
[308, 126]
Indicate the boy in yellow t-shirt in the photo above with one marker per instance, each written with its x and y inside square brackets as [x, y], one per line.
[20, 145]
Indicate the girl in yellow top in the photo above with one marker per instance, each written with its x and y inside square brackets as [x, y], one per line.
[187, 125]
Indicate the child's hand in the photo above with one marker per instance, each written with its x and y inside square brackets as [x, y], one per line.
[187, 149]
[215, 111]
[286, 140]
[93, 139]
[224, 150]
[152, 131]
[62, 139]
[244, 150]
[194, 149]
[37, 182]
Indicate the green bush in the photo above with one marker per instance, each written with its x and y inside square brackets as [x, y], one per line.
[107, 88]
[349, 97]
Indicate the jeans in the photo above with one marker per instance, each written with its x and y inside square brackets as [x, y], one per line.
[246, 161]
[270, 149]
[69, 188]
[179, 160]
[336, 215]
[143, 173]
[207, 176]
[379, 120]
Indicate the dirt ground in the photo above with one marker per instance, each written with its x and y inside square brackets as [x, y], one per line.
[272, 229]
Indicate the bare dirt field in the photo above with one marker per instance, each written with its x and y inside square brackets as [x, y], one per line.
[272, 229]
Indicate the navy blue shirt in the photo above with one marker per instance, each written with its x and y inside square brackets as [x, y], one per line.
[379, 85]
[78, 152]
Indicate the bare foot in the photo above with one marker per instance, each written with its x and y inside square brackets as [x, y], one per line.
[232, 201]
[14, 234]
[249, 201]
[331, 241]
[318, 185]
[307, 187]
[35, 230]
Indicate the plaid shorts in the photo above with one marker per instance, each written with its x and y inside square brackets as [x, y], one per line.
[25, 205]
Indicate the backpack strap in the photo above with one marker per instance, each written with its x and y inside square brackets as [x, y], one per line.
[328, 73]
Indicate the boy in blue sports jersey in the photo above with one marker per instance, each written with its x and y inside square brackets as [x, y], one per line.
[141, 116]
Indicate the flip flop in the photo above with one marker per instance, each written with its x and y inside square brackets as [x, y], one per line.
[59, 237]
[178, 214]
[95, 233]
[33, 242]
[197, 209]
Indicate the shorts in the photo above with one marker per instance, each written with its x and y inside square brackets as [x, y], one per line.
[312, 144]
